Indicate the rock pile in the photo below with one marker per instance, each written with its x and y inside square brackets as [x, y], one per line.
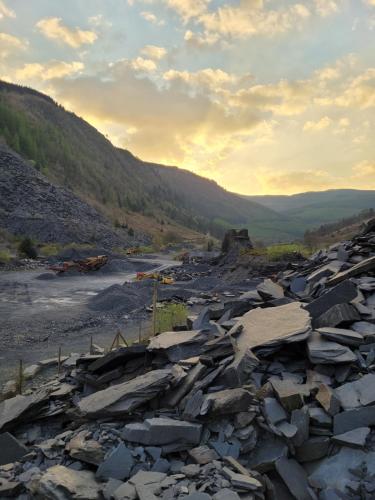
[269, 396]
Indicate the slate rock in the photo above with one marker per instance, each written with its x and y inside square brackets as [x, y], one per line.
[270, 290]
[343, 293]
[340, 314]
[352, 419]
[162, 431]
[295, 478]
[326, 397]
[301, 419]
[60, 483]
[226, 402]
[313, 449]
[123, 398]
[364, 327]
[354, 439]
[361, 392]
[117, 464]
[289, 393]
[341, 335]
[203, 454]
[89, 451]
[322, 351]
[226, 494]
[272, 327]
[20, 408]
[10, 489]
[11, 449]
[269, 449]
[273, 411]
[178, 345]
[362, 267]
[198, 496]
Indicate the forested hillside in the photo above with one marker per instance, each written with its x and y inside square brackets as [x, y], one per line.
[70, 152]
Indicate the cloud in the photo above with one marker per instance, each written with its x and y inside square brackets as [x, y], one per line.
[47, 71]
[154, 52]
[99, 21]
[10, 44]
[188, 9]
[210, 80]
[151, 18]
[53, 29]
[321, 124]
[6, 11]
[167, 122]
[199, 40]
[365, 168]
[295, 181]
[143, 65]
[370, 2]
[326, 7]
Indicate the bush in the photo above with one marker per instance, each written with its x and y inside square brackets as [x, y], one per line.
[5, 256]
[26, 248]
[131, 231]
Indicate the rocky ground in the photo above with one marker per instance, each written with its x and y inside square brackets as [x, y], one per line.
[266, 394]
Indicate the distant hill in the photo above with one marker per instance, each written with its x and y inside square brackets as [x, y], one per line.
[73, 154]
[313, 209]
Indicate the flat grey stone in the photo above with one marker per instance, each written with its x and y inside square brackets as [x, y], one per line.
[73, 484]
[270, 290]
[20, 408]
[361, 267]
[327, 398]
[11, 449]
[364, 327]
[343, 293]
[322, 351]
[295, 478]
[111, 486]
[178, 345]
[86, 450]
[122, 398]
[313, 449]
[358, 393]
[162, 431]
[125, 491]
[226, 402]
[352, 419]
[298, 284]
[117, 464]
[338, 315]
[198, 496]
[273, 411]
[226, 494]
[319, 417]
[355, 438]
[271, 327]
[301, 419]
[341, 335]
[203, 454]
[161, 465]
[269, 449]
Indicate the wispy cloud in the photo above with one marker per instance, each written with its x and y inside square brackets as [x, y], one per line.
[53, 28]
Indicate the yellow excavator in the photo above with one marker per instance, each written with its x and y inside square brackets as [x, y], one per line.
[164, 280]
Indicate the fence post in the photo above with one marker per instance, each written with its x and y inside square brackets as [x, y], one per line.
[20, 377]
[154, 302]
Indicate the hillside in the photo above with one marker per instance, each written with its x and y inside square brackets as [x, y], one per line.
[316, 208]
[31, 205]
[73, 154]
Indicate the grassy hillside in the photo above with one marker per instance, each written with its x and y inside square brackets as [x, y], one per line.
[75, 155]
[316, 208]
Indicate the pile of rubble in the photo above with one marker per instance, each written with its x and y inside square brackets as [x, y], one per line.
[270, 395]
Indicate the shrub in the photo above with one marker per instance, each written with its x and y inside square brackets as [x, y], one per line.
[26, 248]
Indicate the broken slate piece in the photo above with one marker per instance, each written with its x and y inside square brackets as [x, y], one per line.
[321, 351]
[341, 335]
[73, 484]
[326, 397]
[273, 411]
[355, 438]
[352, 419]
[340, 314]
[269, 449]
[178, 345]
[162, 431]
[270, 290]
[361, 267]
[343, 293]
[270, 328]
[313, 449]
[123, 398]
[289, 393]
[295, 478]
[11, 449]
[301, 419]
[226, 402]
[20, 408]
[203, 454]
[361, 392]
[10, 489]
[117, 464]
[364, 327]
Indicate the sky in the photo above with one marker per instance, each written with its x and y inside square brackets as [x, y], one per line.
[263, 96]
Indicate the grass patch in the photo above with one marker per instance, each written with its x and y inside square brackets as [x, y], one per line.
[281, 251]
[50, 249]
[170, 316]
[5, 256]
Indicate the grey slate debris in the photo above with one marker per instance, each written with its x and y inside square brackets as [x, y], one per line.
[270, 394]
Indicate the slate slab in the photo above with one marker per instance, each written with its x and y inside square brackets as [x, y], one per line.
[11, 449]
[162, 431]
[338, 315]
[117, 465]
[355, 438]
[295, 478]
[352, 419]
[123, 398]
[358, 393]
[343, 293]
[75, 484]
[341, 335]
[322, 351]
[362, 267]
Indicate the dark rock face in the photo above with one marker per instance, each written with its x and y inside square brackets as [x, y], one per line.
[236, 239]
[30, 205]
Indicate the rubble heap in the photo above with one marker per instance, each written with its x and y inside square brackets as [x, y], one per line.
[269, 396]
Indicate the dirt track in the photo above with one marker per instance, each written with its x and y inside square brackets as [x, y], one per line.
[36, 316]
